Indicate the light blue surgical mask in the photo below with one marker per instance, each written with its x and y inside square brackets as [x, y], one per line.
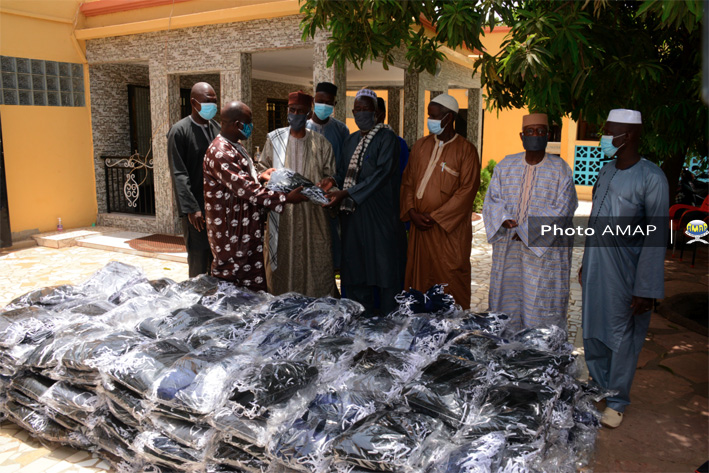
[323, 110]
[207, 110]
[435, 126]
[247, 129]
[607, 145]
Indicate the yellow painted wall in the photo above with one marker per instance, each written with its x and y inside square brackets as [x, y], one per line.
[48, 150]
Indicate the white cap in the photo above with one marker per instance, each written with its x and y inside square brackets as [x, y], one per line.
[366, 93]
[447, 101]
[623, 115]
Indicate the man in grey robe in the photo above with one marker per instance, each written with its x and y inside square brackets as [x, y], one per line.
[373, 237]
[622, 274]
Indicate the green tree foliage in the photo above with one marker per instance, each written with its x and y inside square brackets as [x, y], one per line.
[485, 177]
[566, 58]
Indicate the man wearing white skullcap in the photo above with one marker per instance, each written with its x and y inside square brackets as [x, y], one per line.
[529, 278]
[437, 193]
[620, 275]
[373, 237]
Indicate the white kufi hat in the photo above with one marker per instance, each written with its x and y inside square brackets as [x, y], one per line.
[447, 101]
[623, 115]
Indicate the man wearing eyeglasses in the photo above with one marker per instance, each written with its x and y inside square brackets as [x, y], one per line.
[299, 257]
[529, 282]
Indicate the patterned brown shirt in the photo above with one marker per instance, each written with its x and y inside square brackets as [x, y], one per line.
[235, 211]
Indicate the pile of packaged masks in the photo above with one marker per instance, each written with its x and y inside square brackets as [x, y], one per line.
[286, 180]
[202, 376]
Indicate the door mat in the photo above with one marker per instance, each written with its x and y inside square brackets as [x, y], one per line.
[159, 244]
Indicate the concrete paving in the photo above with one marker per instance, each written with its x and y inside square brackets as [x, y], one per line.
[665, 428]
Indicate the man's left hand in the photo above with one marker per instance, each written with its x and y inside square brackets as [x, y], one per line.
[336, 197]
[266, 175]
[326, 184]
[640, 305]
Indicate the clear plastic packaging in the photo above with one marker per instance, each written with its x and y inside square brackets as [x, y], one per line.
[157, 448]
[240, 455]
[285, 180]
[175, 324]
[72, 402]
[197, 436]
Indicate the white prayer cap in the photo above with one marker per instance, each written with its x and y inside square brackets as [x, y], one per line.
[623, 115]
[447, 101]
[366, 93]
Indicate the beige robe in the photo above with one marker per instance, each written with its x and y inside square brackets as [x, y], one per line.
[441, 255]
[304, 241]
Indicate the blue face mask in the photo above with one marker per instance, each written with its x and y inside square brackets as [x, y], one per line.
[323, 110]
[247, 129]
[607, 145]
[207, 110]
[435, 126]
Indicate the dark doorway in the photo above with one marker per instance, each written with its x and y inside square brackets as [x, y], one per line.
[140, 126]
[185, 105]
[277, 110]
[5, 233]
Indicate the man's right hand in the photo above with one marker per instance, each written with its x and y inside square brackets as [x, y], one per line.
[295, 197]
[420, 221]
[266, 175]
[197, 220]
[509, 224]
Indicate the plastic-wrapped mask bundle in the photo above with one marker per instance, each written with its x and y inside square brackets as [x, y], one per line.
[139, 369]
[126, 401]
[286, 180]
[474, 346]
[241, 455]
[47, 297]
[519, 410]
[376, 332]
[329, 315]
[447, 389]
[483, 455]
[329, 352]
[201, 381]
[225, 331]
[230, 420]
[518, 363]
[202, 286]
[551, 338]
[158, 448]
[88, 355]
[110, 279]
[423, 334]
[37, 423]
[232, 300]
[71, 401]
[277, 382]
[390, 441]
[488, 322]
[434, 302]
[25, 325]
[49, 352]
[305, 444]
[176, 323]
[279, 339]
[196, 436]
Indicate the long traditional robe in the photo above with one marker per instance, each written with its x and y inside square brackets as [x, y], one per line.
[442, 253]
[614, 272]
[235, 207]
[304, 248]
[373, 237]
[335, 132]
[530, 284]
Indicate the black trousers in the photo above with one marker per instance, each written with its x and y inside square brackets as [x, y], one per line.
[199, 253]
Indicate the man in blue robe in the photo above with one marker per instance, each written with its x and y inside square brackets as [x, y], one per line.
[622, 274]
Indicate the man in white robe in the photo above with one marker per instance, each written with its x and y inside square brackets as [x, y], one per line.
[529, 282]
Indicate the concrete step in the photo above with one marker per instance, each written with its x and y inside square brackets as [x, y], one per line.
[70, 237]
[118, 242]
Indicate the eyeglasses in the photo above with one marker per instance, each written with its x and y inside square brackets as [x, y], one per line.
[542, 130]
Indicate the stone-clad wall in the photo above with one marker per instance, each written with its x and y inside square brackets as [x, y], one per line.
[261, 91]
[109, 115]
[203, 50]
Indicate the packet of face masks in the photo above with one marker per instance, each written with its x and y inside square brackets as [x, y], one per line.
[285, 180]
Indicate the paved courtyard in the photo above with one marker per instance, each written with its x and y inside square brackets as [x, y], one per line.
[666, 431]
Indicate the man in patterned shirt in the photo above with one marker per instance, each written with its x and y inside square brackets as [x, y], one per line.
[236, 204]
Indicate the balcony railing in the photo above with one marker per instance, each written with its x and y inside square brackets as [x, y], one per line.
[129, 184]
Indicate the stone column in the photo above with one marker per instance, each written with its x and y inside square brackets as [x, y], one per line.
[334, 74]
[414, 98]
[235, 84]
[394, 109]
[164, 97]
[475, 118]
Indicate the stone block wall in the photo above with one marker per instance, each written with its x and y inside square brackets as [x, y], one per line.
[109, 115]
[261, 91]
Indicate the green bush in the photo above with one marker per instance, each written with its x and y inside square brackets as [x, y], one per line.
[485, 176]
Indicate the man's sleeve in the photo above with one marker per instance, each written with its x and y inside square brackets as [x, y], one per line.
[265, 161]
[494, 211]
[387, 163]
[650, 272]
[459, 206]
[225, 169]
[408, 187]
[177, 149]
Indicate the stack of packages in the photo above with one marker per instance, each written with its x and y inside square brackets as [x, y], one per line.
[202, 376]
